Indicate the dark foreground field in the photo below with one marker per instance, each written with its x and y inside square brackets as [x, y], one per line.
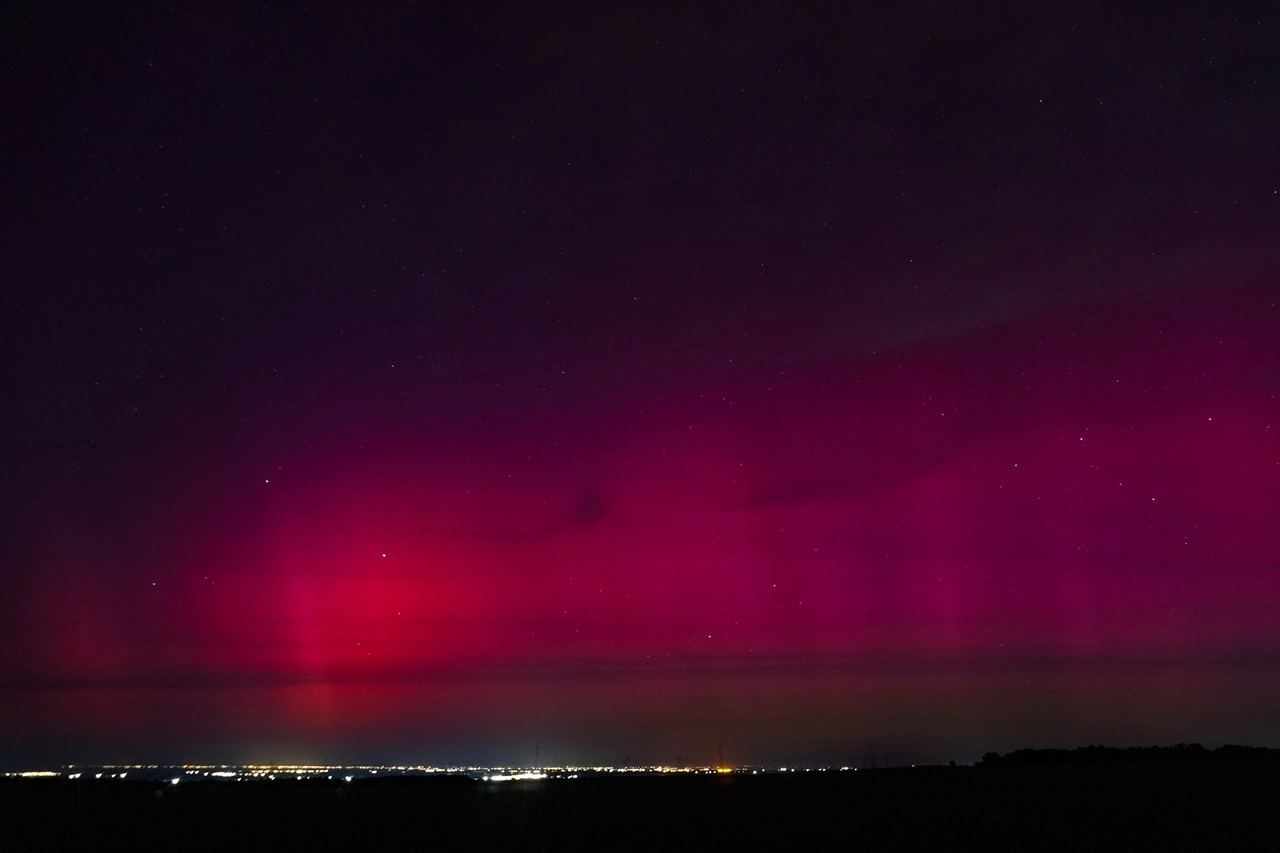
[1024, 806]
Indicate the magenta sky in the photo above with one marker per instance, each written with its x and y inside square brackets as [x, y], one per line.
[937, 412]
[985, 532]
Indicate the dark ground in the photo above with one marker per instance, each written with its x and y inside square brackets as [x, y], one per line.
[1024, 805]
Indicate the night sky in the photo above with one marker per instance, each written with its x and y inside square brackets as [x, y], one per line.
[821, 385]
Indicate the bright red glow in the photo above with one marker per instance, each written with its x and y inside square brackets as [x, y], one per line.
[890, 540]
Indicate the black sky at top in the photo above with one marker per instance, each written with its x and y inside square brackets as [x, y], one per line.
[224, 214]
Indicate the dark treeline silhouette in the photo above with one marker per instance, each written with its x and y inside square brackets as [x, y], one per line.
[1132, 754]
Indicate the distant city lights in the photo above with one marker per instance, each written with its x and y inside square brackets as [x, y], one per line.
[173, 774]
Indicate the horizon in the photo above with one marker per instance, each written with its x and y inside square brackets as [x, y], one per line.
[520, 772]
[868, 761]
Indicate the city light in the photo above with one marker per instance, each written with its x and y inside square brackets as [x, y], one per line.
[513, 777]
[346, 774]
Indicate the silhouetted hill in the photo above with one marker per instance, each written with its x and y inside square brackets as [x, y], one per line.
[1183, 752]
[1178, 798]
